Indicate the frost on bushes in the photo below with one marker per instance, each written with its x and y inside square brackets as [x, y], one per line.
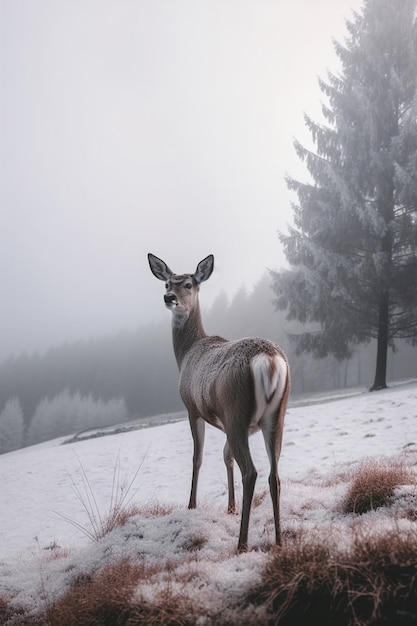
[11, 426]
[68, 413]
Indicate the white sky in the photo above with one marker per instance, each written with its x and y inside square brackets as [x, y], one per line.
[129, 126]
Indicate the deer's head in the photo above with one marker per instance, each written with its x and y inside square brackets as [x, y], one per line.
[181, 295]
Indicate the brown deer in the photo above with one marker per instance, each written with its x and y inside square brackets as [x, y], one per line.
[238, 386]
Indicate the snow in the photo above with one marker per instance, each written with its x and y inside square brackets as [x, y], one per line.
[323, 441]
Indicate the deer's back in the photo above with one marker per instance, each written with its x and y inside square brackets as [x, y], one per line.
[217, 374]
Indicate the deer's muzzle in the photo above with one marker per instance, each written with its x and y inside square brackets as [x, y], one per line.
[170, 300]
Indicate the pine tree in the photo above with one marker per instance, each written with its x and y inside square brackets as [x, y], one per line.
[11, 426]
[353, 246]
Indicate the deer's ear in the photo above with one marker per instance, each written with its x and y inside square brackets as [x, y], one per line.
[159, 268]
[204, 269]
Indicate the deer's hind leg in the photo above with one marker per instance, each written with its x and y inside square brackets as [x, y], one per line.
[271, 439]
[241, 452]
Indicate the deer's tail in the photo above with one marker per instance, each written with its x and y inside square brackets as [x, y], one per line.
[272, 384]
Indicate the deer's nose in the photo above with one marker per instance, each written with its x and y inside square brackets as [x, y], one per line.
[170, 298]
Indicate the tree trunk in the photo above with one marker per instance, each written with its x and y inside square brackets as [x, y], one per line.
[345, 377]
[382, 349]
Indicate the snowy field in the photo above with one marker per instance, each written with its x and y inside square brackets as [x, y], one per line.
[323, 442]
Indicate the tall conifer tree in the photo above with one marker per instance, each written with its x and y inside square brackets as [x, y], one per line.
[353, 246]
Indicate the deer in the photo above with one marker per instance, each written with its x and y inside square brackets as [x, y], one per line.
[239, 386]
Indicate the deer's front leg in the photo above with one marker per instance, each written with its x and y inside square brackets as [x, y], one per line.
[197, 425]
[229, 461]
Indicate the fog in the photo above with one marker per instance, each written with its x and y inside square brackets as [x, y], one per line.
[133, 126]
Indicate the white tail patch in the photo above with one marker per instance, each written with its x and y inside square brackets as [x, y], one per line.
[269, 375]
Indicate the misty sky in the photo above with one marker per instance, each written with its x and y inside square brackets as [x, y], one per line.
[129, 126]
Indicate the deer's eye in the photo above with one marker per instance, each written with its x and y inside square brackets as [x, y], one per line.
[188, 285]
[166, 285]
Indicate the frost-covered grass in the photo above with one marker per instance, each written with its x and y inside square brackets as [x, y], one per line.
[340, 563]
[120, 508]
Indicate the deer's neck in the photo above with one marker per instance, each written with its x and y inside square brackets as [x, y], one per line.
[185, 333]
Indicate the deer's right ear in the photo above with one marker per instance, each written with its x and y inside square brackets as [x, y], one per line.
[159, 268]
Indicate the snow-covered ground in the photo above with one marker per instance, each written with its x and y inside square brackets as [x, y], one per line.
[321, 441]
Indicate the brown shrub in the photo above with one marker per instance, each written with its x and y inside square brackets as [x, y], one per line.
[101, 598]
[5, 612]
[195, 542]
[373, 486]
[374, 584]
[106, 598]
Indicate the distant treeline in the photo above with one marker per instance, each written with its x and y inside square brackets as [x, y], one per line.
[135, 373]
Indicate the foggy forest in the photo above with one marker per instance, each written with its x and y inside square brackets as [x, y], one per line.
[133, 375]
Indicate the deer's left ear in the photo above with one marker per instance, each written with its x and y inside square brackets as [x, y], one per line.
[204, 269]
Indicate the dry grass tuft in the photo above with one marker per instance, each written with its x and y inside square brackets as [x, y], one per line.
[6, 612]
[195, 542]
[103, 598]
[120, 508]
[156, 510]
[107, 598]
[373, 486]
[374, 584]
